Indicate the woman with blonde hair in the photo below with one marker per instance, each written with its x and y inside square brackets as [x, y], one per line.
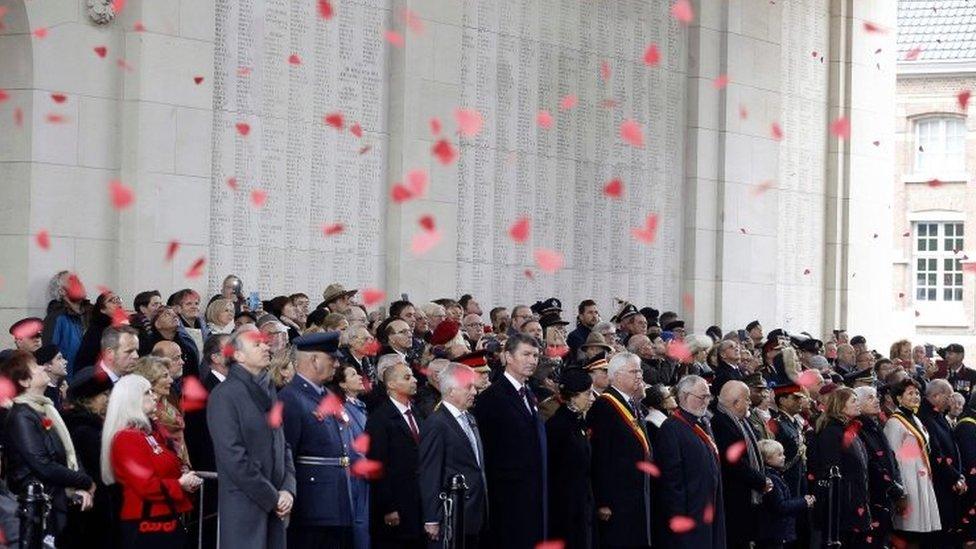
[836, 444]
[220, 316]
[282, 369]
[156, 370]
[901, 354]
[155, 487]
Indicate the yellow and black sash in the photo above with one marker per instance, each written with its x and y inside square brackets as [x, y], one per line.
[630, 420]
[699, 432]
[919, 436]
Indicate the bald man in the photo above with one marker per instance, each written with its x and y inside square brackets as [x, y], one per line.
[743, 475]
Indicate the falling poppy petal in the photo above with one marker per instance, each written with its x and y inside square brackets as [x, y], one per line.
[171, 250]
[335, 120]
[325, 9]
[243, 128]
[720, 82]
[100, 51]
[548, 261]
[417, 181]
[568, 102]
[681, 524]
[196, 269]
[274, 416]
[259, 197]
[43, 239]
[469, 121]
[544, 120]
[631, 133]
[963, 98]
[122, 195]
[424, 242]
[652, 55]
[519, 231]
[444, 151]
[372, 296]
[394, 38]
[333, 229]
[734, 452]
[649, 468]
[682, 12]
[614, 188]
[841, 128]
[776, 131]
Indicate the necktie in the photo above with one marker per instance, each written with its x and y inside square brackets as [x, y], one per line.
[470, 429]
[414, 431]
[529, 399]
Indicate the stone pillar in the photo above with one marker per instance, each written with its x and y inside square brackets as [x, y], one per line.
[166, 127]
[858, 294]
[425, 82]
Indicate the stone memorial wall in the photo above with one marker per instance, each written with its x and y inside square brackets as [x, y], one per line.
[280, 69]
[519, 57]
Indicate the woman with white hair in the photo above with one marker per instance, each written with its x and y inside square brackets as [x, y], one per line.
[155, 488]
[884, 478]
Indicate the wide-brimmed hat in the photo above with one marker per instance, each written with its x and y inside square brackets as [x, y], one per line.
[596, 339]
[335, 291]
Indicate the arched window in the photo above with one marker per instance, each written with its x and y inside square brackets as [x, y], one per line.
[940, 145]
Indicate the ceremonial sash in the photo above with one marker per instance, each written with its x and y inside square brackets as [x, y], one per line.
[913, 429]
[699, 432]
[966, 420]
[631, 421]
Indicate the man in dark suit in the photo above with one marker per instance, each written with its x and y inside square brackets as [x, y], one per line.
[947, 477]
[515, 450]
[743, 474]
[257, 474]
[450, 445]
[691, 480]
[198, 442]
[619, 439]
[394, 431]
[727, 368]
[323, 508]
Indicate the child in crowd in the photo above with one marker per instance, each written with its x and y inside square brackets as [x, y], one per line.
[780, 507]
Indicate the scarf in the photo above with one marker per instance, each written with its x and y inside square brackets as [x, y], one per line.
[44, 406]
[752, 449]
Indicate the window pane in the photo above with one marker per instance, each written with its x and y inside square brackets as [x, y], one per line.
[921, 265]
[949, 229]
[947, 295]
[932, 294]
[958, 279]
[958, 294]
[947, 264]
[959, 229]
[958, 245]
[932, 265]
[921, 244]
[932, 279]
[923, 229]
[920, 294]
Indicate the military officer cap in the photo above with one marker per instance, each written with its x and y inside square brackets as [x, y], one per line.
[324, 342]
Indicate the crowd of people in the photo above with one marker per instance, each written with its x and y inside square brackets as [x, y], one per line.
[337, 426]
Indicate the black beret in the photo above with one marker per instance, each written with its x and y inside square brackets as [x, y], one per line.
[751, 325]
[46, 353]
[858, 340]
[674, 325]
[575, 380]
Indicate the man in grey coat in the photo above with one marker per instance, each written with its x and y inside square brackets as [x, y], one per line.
[256, 474]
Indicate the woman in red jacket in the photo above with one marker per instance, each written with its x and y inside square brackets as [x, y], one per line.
[155, 488]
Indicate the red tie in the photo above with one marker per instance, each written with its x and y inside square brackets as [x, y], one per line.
[413, 425]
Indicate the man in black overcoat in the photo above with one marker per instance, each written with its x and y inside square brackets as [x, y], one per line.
[515, 451]
[691, 481]
[619, 439]
[947, 477]
[394, 431]
[743, 474]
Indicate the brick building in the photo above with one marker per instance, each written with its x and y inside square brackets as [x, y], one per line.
[935, 160]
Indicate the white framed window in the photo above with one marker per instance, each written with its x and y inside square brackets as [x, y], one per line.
[940, 145]
[938, 260]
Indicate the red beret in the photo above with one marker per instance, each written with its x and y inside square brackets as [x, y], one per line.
[444, 332]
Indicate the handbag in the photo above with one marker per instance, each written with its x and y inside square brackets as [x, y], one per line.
[148, 532]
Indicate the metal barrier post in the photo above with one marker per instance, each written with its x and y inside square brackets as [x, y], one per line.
[206, 475]
[34, 505]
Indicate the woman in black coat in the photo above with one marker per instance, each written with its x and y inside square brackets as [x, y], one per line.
[88, 395]
[884, 478]
[570, 492]
[37, 444]
[836, 444]
[101, 318]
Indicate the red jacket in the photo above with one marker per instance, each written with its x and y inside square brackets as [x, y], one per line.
[146, 468]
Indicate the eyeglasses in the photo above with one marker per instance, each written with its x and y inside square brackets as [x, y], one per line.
[403, 332]
[704, 398]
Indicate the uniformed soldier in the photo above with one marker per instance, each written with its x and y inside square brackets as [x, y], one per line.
[323, 509]
[958, 375]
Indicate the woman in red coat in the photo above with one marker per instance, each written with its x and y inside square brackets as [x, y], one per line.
[155, 488]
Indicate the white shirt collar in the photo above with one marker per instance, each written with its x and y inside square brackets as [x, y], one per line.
[400, 407]
[518, 385]
[656, 417]
[220, 377]
[111, 375]
[455, 411]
